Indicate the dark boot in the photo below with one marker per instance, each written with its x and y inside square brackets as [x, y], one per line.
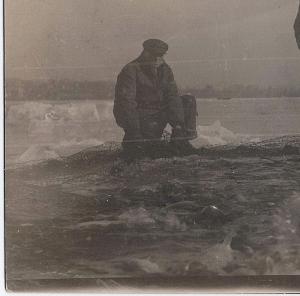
[132, 151]
[183, 148]
[179, 143]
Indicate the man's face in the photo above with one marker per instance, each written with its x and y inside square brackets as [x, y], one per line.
[157, 53]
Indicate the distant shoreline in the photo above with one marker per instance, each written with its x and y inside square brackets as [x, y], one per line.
[111, 100]
[57, 90]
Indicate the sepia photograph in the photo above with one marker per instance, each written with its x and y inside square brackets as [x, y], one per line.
[152, 146]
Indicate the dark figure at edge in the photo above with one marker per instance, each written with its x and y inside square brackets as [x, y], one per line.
[297, 27]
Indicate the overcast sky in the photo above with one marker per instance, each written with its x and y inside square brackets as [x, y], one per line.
[218, 42]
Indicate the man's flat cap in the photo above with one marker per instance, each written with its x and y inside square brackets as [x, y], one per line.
[155, 46]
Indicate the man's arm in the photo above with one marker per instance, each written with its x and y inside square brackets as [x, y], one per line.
[297, 28]
[125, 108]
[173, 100]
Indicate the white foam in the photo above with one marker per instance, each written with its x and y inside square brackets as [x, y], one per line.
[138, 216]
[42, 152]
[293, 208]
[38, 153]
[214, 134]
[32, 111]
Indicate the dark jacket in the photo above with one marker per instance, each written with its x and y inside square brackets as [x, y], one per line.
[297, 28]
[141, 89]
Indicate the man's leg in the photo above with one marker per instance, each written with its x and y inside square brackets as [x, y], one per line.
[190, 115]
[152, 126]
[132, 146]
[180, 135]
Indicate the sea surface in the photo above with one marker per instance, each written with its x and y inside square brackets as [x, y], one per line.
[75, 209]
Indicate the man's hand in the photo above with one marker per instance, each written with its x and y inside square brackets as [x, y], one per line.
[178, 132]
[139, 147]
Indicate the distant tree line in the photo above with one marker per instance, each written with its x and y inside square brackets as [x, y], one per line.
[243, 91]
[16, 89]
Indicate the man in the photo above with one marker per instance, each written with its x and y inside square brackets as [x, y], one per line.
[146, 100]
[297, 28]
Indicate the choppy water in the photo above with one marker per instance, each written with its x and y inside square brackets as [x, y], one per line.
[230, 210]
[227, 211]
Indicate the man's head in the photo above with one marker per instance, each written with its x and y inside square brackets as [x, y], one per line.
[155, 47]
